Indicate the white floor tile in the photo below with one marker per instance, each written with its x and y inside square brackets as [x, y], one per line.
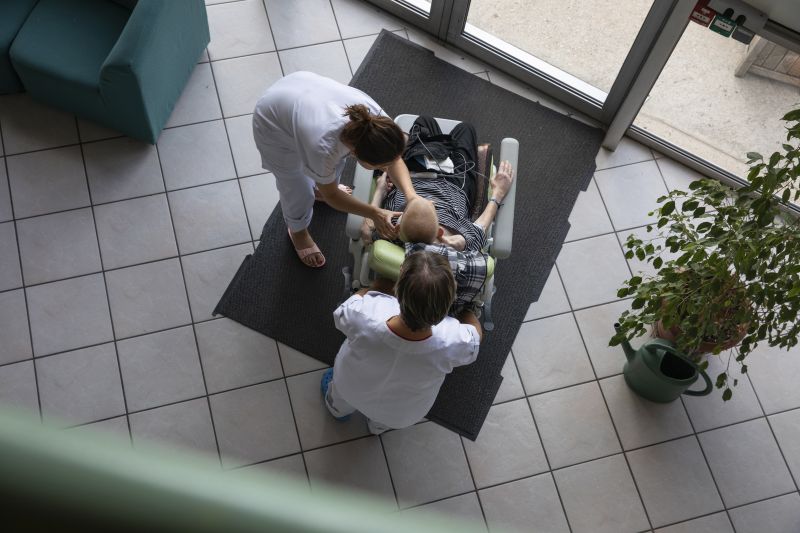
[427, 463]
[550, 354]
[260, 198]
[185, 425]
[237, 29]
[117, 427]
[628, 151]
[208, 274]
[314, 422]
[358, 465]
[465, 508]
[29, 125]
[630, 192]
[508, 446]
[47, 181]
[597, 327]
[198, 101]
[746, 462]
[235, 356]
[58, 246]
[592, 270]
[18, 387]
[5, 198]
[80, 386]
[327, 59]
[715, 523]
[135, 231]
[357, 49]
[600, 496]
[245, 154]
[552, 300]
[123, 168]
[511, 387]
[69, 314]
[208, 217]
[292, 466]
[15, 340]
[10, 271]
[160, 368]
[674, 481]
[518, 505]
[147, 298]
[708, 412]
[196, 154]
[254, 424]
[241, 81]
[772, 372]
[589, 216]
[778, 515]
[91, 131]
[641, 422]
[786, 427]
[301, 22]
[676, 175]
[295, 362]
[574, 425]
[644, 268]
[360, 18]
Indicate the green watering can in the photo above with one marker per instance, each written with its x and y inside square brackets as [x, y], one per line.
[659, 372]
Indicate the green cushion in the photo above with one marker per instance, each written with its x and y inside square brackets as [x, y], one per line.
[64, 44]
[12, 15]
[386, 258]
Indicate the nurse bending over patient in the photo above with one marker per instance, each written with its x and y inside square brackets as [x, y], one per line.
[304, 126]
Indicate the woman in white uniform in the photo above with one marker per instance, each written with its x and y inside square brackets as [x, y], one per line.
[304, 126]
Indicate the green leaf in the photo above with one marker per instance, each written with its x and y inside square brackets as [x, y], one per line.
[792, 116]
[637, 303]
[657, 262]
[727, 394]
[752, 155]
[667, 208]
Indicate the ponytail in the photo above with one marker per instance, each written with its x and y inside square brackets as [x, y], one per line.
[375, 139]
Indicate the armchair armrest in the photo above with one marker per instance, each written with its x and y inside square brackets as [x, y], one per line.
[362, 186]
[504, 222]
[146, 70]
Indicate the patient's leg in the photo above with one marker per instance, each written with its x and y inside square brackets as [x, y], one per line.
[465, 156]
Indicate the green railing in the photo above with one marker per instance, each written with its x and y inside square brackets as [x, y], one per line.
[55, 480]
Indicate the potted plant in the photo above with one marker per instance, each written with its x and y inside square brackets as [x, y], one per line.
[732, 279]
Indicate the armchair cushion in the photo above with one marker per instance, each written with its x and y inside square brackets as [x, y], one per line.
[386, 259]
[12, 16]
[62, 48]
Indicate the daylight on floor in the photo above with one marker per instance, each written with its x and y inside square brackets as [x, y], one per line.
[400, 265]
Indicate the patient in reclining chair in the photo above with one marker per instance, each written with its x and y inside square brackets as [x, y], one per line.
[439, 220]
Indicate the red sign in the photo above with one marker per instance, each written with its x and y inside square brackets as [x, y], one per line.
[702, 14]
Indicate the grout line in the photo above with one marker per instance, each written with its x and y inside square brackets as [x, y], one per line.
[22, 278]
[105, 286]
[149, 262]
[772, 431]
[191, 313]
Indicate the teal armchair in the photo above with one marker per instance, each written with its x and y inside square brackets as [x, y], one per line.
[121, 63]
[12, 15]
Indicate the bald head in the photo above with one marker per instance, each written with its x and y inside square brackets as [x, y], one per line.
[419, 222]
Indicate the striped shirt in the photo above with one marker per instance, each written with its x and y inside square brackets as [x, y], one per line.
[469, 270]
[452, 208]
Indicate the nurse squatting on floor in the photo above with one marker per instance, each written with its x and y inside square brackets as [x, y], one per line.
[304, 126]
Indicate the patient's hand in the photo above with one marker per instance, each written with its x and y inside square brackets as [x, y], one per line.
[501, 181]
[456, 242]
[384, 182]
[366, 231]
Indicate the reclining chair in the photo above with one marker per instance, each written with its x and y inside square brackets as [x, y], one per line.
[385, 258]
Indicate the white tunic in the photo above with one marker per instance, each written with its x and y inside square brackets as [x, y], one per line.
[297, 122]
[389, 379]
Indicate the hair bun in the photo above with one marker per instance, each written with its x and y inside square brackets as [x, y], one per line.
[358, 113]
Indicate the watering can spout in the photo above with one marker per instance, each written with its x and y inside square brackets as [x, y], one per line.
[626, 346]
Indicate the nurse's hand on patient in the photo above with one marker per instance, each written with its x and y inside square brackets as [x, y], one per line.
[366, 231]
[384, 225]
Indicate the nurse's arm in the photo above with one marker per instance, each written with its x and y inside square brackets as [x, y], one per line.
[341, 201]
[398, 172]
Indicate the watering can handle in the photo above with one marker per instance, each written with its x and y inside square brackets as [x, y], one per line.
[668, 346]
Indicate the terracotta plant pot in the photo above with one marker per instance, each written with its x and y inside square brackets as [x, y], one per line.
[671, 334]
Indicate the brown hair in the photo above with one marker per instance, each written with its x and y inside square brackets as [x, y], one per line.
[375, 139]
[425, 290]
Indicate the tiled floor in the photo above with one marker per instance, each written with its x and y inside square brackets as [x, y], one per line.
[113, 253]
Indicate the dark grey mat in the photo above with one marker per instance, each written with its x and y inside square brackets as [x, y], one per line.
[273, 293]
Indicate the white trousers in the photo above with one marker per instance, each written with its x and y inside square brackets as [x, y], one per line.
[296, 192]
[338, 407]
